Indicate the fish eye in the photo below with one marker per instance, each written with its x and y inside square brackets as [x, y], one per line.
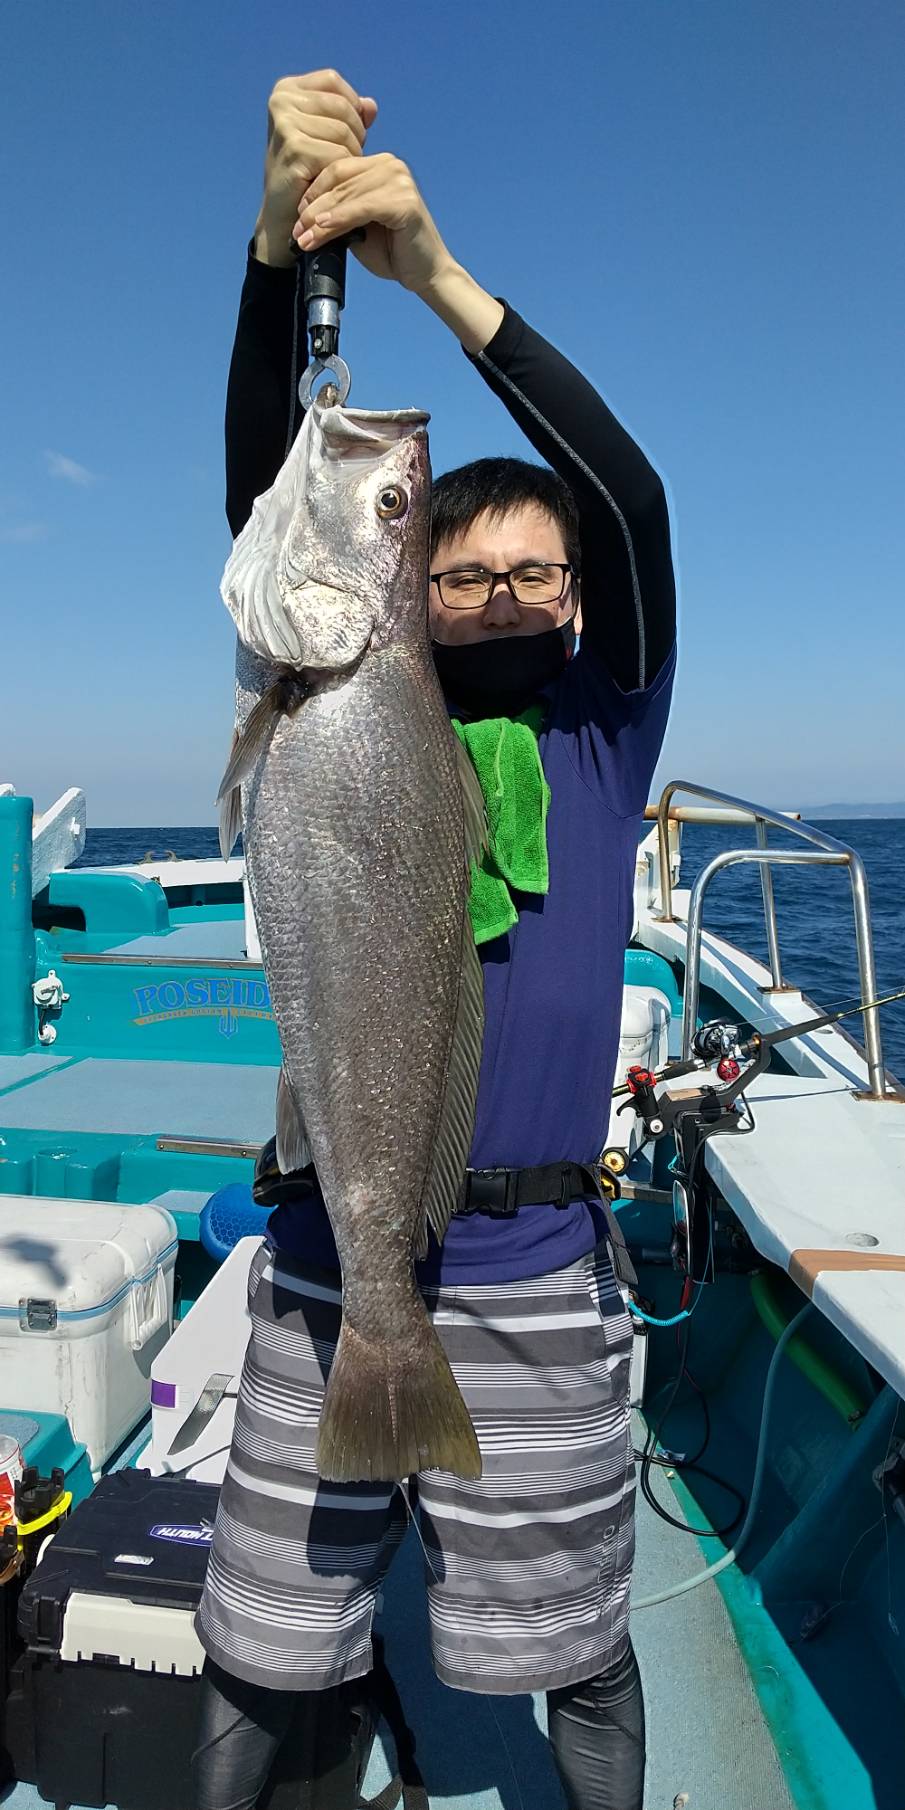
[391, 502]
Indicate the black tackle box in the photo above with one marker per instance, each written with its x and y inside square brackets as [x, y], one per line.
[9, 1597]
[104, 1702]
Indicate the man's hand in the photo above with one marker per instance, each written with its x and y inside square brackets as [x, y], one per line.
[319, 186]
[312, 120]
[378, 194]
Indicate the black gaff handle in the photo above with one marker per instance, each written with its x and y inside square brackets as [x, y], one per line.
[325, 296]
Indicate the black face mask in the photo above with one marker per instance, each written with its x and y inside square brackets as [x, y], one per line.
[500, 678]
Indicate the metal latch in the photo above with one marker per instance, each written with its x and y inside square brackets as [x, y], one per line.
[49, 997]
[36, 1315]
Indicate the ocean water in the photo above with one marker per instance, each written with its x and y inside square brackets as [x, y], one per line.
[813, 906]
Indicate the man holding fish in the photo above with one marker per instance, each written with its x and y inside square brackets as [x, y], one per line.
[440, 808]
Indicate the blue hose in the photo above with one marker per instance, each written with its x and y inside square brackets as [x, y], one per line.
[729, 1558]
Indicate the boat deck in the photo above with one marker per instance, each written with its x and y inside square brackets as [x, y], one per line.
[819, 1188]
[820, 1194]
[211, 939]
[707, 1736]
[135, 1098]
[147, 1057]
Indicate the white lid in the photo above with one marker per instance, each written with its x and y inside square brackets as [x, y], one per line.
[78, 1253]
[644, 1009]
[147, 1636]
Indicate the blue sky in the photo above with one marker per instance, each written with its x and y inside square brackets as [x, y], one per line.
[699, 203]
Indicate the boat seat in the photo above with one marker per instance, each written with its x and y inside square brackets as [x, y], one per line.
[643, 1040]
[230, 1214]
[644, 968]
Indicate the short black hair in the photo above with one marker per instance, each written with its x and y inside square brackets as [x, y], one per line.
[494, 487]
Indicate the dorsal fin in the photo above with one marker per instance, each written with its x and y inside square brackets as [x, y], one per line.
[456, 1127]
[473, 808]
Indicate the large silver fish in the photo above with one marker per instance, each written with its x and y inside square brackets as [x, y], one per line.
[361, 816]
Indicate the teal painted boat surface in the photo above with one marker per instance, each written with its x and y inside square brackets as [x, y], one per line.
[779, 1684]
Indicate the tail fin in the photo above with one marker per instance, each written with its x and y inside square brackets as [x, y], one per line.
[389, 1412]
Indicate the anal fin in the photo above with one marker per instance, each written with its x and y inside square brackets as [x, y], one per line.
[292, 1143]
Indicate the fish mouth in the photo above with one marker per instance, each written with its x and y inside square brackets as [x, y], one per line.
[337, 421]
[365, 436]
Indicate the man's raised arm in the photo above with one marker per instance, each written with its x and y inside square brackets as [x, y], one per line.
[628, 586]
[312, 120]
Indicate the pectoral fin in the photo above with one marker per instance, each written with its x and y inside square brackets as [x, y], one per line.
[230, 809]
[249, 743]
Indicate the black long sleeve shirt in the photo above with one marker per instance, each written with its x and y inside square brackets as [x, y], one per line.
[553, 997]
[627, 584]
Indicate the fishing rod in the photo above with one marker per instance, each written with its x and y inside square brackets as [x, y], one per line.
[720, 1041]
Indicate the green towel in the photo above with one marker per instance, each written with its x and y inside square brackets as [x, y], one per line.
[506, 758]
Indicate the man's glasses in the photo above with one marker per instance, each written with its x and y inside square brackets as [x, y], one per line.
[471, 587]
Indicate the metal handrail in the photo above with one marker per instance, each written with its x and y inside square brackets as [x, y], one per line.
[830, 853]
[729, 858]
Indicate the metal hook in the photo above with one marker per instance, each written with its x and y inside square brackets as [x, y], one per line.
[338, 370]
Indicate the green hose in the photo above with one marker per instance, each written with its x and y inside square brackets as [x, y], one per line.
[839, 1392]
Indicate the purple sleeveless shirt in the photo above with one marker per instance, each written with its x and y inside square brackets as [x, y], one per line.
[552, 989]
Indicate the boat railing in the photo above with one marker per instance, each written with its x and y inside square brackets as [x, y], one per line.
[825, 851]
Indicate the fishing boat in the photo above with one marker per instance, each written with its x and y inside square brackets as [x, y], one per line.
[756, 1158]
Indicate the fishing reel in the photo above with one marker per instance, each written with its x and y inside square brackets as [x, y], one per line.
[736, 1058]
[721, 1043]
[690, 1118]
[691, 1245]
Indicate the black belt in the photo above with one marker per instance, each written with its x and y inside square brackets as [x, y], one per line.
[499, 1193]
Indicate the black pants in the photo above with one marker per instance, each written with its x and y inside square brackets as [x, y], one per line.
[597, 1736]
[596, 1733]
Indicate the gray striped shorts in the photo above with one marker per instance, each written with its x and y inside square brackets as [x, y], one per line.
[528, 1569]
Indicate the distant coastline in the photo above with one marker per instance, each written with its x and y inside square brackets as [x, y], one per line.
[839, 811]
[842, 811]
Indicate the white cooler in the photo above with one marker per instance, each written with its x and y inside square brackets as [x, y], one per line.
[86, 1302]
[197, 1374]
